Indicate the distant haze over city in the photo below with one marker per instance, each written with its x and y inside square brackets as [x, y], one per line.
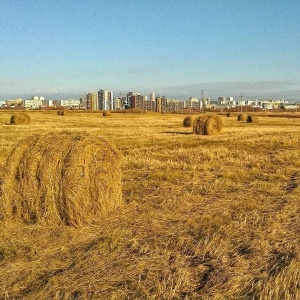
[262, 90]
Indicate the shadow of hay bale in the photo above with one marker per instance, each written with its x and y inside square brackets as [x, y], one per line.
[189, 121]
[208, 125]
[61, 178]
[20, 118]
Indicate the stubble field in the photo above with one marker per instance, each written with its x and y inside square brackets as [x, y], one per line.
[204, 217]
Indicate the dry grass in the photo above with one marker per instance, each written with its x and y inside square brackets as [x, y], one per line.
[206, 217]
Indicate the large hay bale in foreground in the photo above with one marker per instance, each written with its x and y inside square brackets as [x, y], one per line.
[189, 121]
[61, 178]
[208, 125]
[252, 119]
[20, 118]
[242, 117]
[106, 113]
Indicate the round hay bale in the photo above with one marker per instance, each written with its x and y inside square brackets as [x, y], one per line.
[199, 125]
[20, 119]
[61, 179]
[208, 125]
[242, 117]
[63, 112]
[228, 114]
[106, 113]
[252, 119]
[189, 121]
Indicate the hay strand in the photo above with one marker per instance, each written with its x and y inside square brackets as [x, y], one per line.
[67, 178]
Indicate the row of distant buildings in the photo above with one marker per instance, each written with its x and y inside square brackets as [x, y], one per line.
[105, 100]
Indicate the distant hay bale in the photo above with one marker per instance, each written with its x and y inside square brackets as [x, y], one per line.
[228, 114]
[252, 119]
[242, 117]
[208, 125]
[189, 121]
[20, 119]
[61, 179]
[106, 113]
[63, 112]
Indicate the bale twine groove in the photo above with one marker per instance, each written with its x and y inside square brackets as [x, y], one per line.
[242, 117]
[189, 121]
[252, 119]
[20, 118]
[61, 179]
[208, 125]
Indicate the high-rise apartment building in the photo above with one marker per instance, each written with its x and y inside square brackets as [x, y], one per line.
[92, 101]
[105, 100]
[161, 104]
[152, 96]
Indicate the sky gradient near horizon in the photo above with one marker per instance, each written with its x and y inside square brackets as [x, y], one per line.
[67, 48]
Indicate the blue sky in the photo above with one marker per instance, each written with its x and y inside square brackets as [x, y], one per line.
[66, 48]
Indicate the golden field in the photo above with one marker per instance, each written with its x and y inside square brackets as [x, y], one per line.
[204, 217]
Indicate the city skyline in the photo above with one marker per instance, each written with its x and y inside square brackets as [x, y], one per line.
[62, 49]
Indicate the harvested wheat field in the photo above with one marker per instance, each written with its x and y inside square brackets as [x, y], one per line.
[204, 216]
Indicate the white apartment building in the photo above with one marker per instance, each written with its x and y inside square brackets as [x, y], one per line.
[34, 103]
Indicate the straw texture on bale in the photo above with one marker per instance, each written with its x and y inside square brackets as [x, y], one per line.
[208, 125]
[242, 117]
[252, 119]
[189, 121]
[106, 113]
[61, 179]
[20, 119]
